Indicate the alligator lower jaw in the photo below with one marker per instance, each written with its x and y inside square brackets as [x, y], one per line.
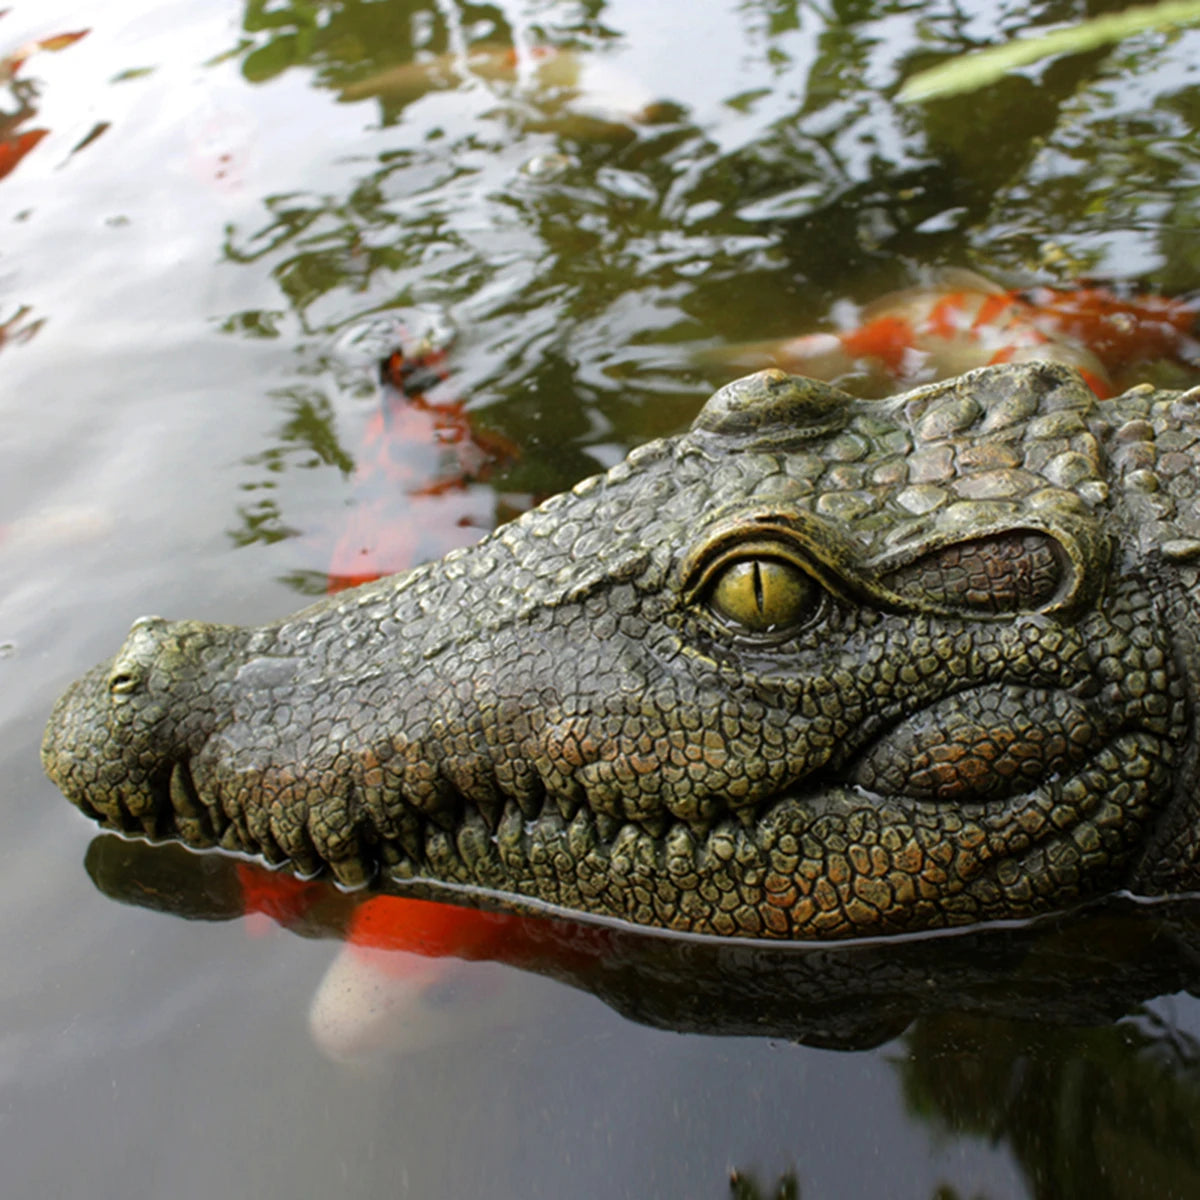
[839, 863]
[835, 863]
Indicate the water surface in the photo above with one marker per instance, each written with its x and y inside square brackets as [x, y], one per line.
[232, 206]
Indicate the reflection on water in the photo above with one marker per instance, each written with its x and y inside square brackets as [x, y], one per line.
[16, 141]
[745, 1186]
[1056, 1037]
[1102, 1111]
[591, 239]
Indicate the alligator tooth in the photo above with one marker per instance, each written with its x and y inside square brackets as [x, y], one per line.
[568, 806]
[446, 813]
[510, 834]
[206, 797]
[191, 818]
[149, 819]
[656, 826]
[516, 779]
[531, 799]
[272, 853]
[391, 855]
[607, 827]
[680, 846]
[304, 859]
[748, 815]
[409, 836]
[491, 808]
[581, 836]
[435, 797]
[351, 872]
[231, 840]
[476, 845]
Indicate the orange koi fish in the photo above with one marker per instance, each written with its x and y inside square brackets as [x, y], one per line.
[400, 975]
[277, 897]
[413, 500]
[408, 974]
[414, 973]
[413, 496]
[13, 149]
[493, 63]
[964, 321]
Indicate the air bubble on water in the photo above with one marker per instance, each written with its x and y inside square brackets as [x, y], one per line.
[547, 166]
[414, 330]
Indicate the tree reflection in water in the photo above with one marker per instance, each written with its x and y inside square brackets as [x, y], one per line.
[582, 238]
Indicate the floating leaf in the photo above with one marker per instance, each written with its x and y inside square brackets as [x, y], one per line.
[132, 73]
[236, 51]
[62, 40]
[12, 63]
[96, 130]
[968, 72]
[270, 60]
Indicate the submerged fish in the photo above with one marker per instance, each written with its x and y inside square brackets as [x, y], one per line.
[15, 142]
[413, 497]
[399, 982]
[566, 86]
[963, 321]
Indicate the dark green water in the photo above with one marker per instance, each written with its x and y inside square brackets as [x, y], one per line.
[199, 264]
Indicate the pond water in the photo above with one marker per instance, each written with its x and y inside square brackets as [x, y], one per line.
[206, 254]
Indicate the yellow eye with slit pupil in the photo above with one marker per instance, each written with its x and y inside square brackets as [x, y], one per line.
[761, 594]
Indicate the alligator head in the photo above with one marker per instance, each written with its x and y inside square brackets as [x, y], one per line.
[818, 667]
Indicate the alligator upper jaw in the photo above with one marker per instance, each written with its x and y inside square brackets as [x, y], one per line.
[837, 855]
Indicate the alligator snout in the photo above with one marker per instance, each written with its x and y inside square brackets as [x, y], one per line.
[116, 736]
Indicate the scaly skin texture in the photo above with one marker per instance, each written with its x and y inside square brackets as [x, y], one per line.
[817, 668]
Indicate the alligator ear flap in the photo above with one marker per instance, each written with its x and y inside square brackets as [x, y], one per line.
[774, 409]
[1009, 571]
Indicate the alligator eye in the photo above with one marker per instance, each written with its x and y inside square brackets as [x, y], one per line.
[761, 594]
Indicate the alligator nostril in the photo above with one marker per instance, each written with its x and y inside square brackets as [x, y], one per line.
[120, 683]
[136, 657]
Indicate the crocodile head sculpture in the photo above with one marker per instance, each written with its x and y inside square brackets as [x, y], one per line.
[817, 668]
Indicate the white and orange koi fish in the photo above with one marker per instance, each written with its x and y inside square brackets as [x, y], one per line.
[964, 321]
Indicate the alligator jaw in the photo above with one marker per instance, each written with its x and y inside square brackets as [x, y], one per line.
[818, 861]
[833, 863]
